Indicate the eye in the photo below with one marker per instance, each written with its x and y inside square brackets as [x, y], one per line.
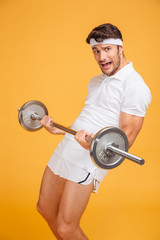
[95, 51]
[107, 49]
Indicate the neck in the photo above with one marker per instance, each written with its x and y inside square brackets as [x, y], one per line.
[123, 62]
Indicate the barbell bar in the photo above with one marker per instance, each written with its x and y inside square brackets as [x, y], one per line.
[108, 147]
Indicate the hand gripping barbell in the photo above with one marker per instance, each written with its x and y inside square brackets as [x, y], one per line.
[108, 147]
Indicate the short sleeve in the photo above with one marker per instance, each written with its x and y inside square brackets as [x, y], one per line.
[136, 99]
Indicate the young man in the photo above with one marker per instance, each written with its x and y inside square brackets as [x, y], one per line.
[118, 97]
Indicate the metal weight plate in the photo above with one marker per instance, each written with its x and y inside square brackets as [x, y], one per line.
[107, 136]
[25, 112]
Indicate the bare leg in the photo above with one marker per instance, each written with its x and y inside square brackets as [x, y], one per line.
[49, 199]
[73, 203]
[62, 204]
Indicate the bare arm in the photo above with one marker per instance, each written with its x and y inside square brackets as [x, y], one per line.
[46, 123]
[131, 125]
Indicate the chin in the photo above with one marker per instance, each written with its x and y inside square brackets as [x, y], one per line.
[108, 73]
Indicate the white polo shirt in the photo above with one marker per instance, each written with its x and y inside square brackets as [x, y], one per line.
[107, 97]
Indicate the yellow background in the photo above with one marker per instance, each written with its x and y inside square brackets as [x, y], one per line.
[43, 56]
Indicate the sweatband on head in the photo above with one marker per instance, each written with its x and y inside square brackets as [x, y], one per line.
[113, 41]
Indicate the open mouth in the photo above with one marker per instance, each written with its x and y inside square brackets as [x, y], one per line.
[106, 66]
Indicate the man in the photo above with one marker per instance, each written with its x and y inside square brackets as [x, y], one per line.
[118, 97]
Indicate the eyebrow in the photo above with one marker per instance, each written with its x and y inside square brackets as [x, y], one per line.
[106, 46]
[93, 48]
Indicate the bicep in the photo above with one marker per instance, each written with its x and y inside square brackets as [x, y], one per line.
[131, 125]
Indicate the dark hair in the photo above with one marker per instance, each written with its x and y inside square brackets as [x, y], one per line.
[104, 31]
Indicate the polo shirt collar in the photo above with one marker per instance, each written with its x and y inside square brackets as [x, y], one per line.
[122, 72]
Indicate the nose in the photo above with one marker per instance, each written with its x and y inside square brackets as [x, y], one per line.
[102, 56]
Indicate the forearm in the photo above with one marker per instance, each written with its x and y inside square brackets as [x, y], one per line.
[47, 123]
[57, 131]
[131, 135]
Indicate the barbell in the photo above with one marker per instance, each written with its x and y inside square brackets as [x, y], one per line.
[108, 147]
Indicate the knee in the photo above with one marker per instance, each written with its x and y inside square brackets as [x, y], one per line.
[43, 211]
[65, 229]
[39, 208]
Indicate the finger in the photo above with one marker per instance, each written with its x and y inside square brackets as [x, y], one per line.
[89, 138]
[43, 120]
[81, 135]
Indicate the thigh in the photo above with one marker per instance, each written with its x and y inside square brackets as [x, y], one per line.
[51, 190]
[74, 201]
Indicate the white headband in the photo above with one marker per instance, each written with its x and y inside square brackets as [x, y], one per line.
[113, 41]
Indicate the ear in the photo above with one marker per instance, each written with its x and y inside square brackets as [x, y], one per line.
[121, 50]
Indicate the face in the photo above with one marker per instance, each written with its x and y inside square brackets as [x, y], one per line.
[108, 57]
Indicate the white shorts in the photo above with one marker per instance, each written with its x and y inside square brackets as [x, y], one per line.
[71, 172]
